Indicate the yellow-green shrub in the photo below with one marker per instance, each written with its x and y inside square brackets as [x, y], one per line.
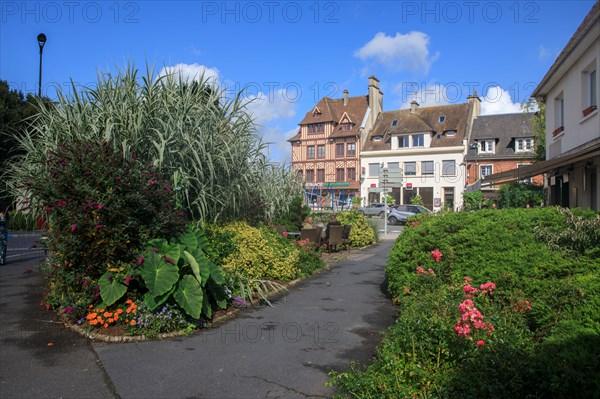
[259, 255]
[362, 232]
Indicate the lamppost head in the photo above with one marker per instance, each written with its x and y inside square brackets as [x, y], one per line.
[41, 40]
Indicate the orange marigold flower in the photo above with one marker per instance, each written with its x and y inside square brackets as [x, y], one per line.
[93, 322]
[119, 311]
[111, 320]
[105, 325]
[99, 319]
[107, 314]
[91, 316]
[101, 310]
[129, 301]
[128, 310]
[132, 322]
[91, 306]
[116, 317]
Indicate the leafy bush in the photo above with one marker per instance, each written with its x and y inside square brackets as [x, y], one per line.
[473, 200]
[255, 253]
[362, 233]
[20, 221]
[298, 211]
[543, 307]
[102, 208]
[520, 195]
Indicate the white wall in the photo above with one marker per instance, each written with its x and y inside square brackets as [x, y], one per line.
[437, 180]
[578, 129]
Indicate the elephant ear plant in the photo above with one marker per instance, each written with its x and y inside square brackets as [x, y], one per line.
[179, 269]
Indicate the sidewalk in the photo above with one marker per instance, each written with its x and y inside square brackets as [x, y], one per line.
[284, 351]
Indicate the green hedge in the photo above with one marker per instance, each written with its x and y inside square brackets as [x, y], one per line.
[549, 350]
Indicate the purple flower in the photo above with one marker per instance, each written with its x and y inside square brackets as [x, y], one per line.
[169, 260]
[73, 228]
[68, 310]
[127, 280]
[239, 302]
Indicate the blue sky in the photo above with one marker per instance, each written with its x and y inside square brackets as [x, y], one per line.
[289, 53]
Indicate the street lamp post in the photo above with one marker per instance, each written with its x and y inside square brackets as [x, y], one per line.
[41, 42]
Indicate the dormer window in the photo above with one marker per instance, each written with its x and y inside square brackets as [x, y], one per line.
[450, 133]
[486, 147]
[377, 138]
[442, 119]
[316, 128]
[316, 111]
[524, 145]
[394, 122]
[346, 126]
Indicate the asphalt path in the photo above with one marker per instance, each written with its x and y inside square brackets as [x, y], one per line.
[283, 351]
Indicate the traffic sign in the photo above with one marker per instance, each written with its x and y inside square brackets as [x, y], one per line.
[377, 190]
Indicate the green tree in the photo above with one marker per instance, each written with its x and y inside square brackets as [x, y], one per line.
[538, 126]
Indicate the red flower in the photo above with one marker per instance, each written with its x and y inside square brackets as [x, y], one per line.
[480, 342]
[169, 260]
[140, 260]
[420, 270]
[61, 203]
[168, 189]
[73, 228]
[100, 206]
[436, 255]
[99, 226]
[127, 280]
[155, 250]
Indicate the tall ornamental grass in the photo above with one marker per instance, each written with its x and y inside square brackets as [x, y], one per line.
[190, 132]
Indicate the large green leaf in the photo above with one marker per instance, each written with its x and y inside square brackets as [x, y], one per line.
[195, 267]
[158, 275]
[155, 301]
[188, 239]
[189, 296]
[110, 289]
[171, 251]
[206, 308]
[216, 273]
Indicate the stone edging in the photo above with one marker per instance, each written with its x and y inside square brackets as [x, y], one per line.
[230, 314]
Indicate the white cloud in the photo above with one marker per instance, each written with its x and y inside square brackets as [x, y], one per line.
[401, 52]
[498, 101]
[279, 149]
[191, 72]
[543, 52]
[266, 107]
[427, 95]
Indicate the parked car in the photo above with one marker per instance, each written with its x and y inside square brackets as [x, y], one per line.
[413, 208]
[374, 209]
[397, 216]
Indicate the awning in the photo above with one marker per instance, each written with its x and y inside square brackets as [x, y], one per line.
[538, 168]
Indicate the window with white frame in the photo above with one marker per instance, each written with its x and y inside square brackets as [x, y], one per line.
[403, 141]
[418, 140]
[486, 146]
[373, 170]
[393, 165]
[590, 95]
[449, 168]
[486, 170]
[427, 168]
[524, 145]
[559, 112]
[410, 168]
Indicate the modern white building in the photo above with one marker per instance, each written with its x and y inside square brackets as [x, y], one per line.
[429, 145]
[570, 92]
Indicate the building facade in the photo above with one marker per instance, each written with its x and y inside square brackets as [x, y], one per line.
[570, 91]
[499, 143]
[326, 149]
[429, 145]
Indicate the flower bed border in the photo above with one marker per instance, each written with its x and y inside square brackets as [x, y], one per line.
[229, 314]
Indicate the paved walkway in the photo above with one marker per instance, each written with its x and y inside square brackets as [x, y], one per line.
[284, 351]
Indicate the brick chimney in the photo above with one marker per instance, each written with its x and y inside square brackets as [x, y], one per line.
[345, 97]
[375, 102]
[413, 106]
